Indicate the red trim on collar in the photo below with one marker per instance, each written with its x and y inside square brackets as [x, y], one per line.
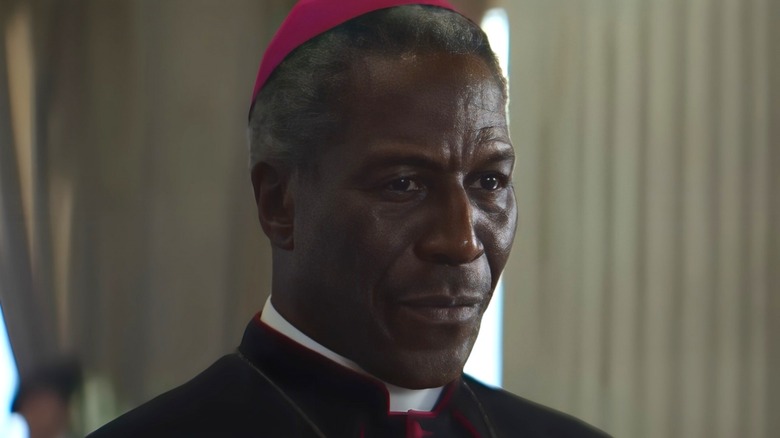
[458, 415]
[415, 430]
[257, 319]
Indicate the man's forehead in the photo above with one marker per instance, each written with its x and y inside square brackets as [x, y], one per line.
[433, 106]
[453, 69]
[427, 85]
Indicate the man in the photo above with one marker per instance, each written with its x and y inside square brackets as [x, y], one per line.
[381, 167]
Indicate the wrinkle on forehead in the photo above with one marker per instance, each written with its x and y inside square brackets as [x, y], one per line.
[464, 79]
[455, 71]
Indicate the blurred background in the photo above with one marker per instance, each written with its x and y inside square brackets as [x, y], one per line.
[643, 292]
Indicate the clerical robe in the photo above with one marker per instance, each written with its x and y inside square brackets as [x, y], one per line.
[273, 387]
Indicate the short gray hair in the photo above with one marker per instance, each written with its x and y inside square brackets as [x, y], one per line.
[298, 111]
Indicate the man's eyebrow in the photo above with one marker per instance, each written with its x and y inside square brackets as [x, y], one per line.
[391, 158]
[492, 134]
[498, 155]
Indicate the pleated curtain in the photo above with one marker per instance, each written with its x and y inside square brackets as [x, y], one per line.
[642, 294]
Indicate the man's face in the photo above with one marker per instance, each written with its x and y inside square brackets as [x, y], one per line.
[404, 227]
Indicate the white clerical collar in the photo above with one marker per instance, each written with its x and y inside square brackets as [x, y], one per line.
[401, 399]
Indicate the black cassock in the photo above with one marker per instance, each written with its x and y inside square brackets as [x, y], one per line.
[273, 387]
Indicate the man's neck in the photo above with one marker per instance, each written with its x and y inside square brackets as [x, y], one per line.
[401, 399]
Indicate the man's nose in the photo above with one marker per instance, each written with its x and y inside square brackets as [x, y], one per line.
[450, 238]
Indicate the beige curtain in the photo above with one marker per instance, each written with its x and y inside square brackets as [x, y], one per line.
[643, 290]
[128, 232]
[25, 263]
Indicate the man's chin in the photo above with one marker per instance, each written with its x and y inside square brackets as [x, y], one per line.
[419, 369]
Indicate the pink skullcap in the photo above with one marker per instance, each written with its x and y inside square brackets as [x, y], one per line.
[310, 18]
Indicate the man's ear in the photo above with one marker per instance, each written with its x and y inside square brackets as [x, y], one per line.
[272, 184]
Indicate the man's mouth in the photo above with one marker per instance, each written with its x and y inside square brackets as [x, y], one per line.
[445, 309]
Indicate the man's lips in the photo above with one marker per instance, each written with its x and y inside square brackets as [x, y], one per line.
[441, 300]
[442, 308]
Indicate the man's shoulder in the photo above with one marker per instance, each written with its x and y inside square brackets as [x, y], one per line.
[227, 399]
[510, 412]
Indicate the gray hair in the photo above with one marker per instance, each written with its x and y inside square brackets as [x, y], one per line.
[298, 111]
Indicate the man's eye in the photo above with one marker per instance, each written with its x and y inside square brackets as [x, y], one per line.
[404, 185]
[488, 182]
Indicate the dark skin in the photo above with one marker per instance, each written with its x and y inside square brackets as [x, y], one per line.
[389, 251]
